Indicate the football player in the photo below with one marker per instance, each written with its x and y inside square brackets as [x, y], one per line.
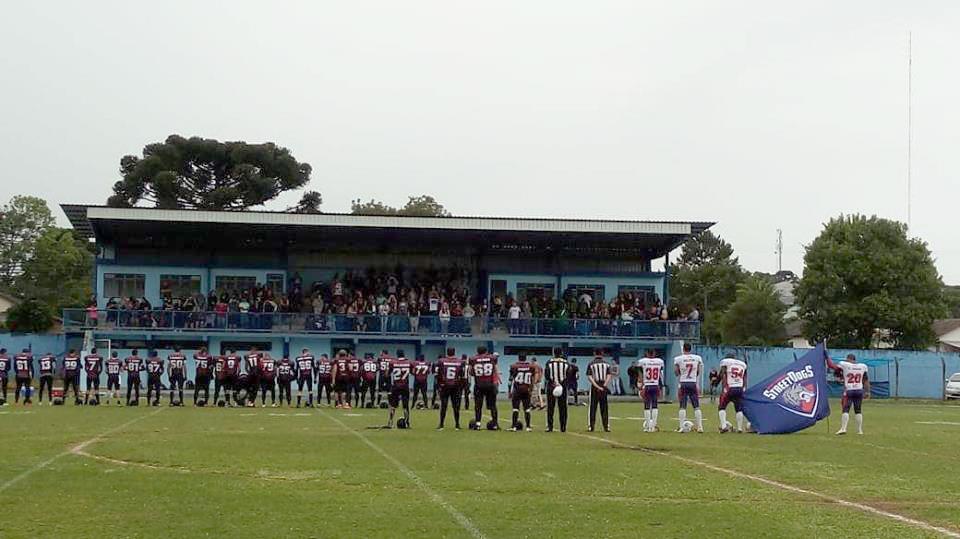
[689, 367]
[856, 384]
[176, 374]
[251, 368]
[325, 378]
[383, 367]
[134, 364]
[285, 374]
[71, 375]
[733, 373]
[486, 374]
[48, 367]
[522, 376]
[5, 364]
[435, 371]
[113, 367]
[305, 366]
[341, 380]
[368, 373]
[353, 367]
[267, 374]
[154, 374]
[421, 377]
[93, 365]
[450, 375]
[201, 379]
[400, 370]
[219, 372]
[23, 370]
[537, 383]
[465, 383]
[650, 369]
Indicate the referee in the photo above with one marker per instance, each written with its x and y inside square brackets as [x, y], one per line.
[599, 374]
[556, 371]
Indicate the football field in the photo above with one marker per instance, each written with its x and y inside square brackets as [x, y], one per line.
[279, 472]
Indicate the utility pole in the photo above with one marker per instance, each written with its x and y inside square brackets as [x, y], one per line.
[779, 250]
[909, 126]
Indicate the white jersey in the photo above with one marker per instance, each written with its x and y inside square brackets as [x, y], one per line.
[690, 366]
[651, 369]
[736, 372]
[853, 375]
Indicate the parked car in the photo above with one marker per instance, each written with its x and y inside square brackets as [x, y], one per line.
[953, 386]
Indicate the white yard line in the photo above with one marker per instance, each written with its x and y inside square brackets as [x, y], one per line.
[783, 486]
[951, 423]
[77, 449]
[461, 519]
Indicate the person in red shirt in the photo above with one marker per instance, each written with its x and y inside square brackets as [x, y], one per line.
[353, 365]
[93, 365]
[421, 377]
[268, 374]
[176, 375]
[286, 371]
[400, 371]
[450, 376]
[201, 381]
[341, 379]
[48, 366]
[113, 367]
[324, 378]
[486, 375]
[522, 376]
[23, 369]
[368, 385]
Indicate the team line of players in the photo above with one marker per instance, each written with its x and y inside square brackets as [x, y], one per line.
[345, 377]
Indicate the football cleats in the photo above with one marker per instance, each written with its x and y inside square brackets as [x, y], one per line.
[492, 425]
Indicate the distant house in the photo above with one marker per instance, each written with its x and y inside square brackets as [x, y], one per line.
[794, 330]
[6, 302]
[948, 335]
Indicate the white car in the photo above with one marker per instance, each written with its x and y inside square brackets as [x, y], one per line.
[953, 386]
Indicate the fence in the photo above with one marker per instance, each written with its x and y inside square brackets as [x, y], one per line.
[893, 373]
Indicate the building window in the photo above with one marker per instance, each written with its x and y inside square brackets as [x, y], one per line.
[596, 292]
[275, 283]
[123, 285]
[235, 283]
[528, 291]
[179, 286]
[647, 294]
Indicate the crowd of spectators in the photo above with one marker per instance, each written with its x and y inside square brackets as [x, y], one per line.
[397, 300]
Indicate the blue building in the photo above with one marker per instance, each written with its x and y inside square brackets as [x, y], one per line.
[156, 255]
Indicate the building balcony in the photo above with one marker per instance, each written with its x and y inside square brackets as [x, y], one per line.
[168, 322]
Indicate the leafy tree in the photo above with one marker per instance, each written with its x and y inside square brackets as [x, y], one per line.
[706, 275]
[421, 206]
[200, 173]
[30, 316]
[59, 272]
[22, 221]
[864, 280]
[951, 295]
[309, 203]
[756, 316]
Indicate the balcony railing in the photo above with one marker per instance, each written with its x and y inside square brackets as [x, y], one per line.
[239, 322]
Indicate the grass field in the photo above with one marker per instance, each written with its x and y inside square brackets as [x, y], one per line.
[185, 472]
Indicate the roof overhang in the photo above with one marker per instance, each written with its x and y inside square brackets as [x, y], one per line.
[655, 237]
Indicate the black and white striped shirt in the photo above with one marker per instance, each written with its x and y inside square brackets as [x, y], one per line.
[598, 370]
[556, 371]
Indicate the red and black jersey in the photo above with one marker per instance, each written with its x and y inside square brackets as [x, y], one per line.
[251, 363]
[305, 366]
[177, 363]
[353, 366]
[48, 364]
[285, 369]
[268, 368]
[4, 365]
[71, 365]
[114, 366]
[93, 364]
[400, 371]
[484, 368]
[343, 373]
[383, 364]
[231, 365]
[368, 369]
[203, 363]
[134, 365]
[450, 371]
[325, 369]
[421, 371]
[522, 375]
[23, 365]
[154, 366]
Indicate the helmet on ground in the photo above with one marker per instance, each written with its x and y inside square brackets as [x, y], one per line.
[402, 423]
[686, 426]
[473, 425]
[492, 425]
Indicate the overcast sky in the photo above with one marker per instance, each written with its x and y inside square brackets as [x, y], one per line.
[757, 115]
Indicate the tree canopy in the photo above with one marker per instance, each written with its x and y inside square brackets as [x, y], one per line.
[420, 206]
[199, 173]
[58, 273]
[22, 222]
[756, 316]
[706, 275]
[865, 280]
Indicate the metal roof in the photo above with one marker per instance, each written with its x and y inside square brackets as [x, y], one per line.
[105, 223]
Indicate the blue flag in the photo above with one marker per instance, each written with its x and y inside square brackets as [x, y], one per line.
[794, 398]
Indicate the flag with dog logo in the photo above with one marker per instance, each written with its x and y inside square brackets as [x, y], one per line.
[792, 399]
